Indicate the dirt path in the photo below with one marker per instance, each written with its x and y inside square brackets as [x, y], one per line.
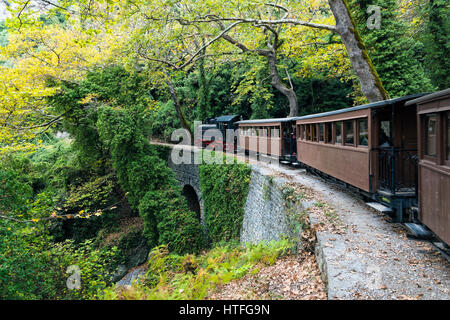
[372, 258]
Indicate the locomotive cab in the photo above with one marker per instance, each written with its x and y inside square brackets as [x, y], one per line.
[227, 125]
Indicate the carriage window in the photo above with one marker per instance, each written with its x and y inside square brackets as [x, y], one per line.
[307, 132]
[264, 132]
[313, 132]
[363, 128]
[385, 133]
[321, 132]
[328, 133]
[302, 132]
[349, 132]
[338, 132]
[448, 135]
[430, 135]
[276, 132]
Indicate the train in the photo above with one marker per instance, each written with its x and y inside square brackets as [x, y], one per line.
[395, 153]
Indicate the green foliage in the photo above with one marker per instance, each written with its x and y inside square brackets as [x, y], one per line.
[96, 268]
[177, 227]
[163, 151]
[59, 185]
[15, 191]
[243, 87]
[33, 267]
[190, 277]
[149, 183]
[80, 101]
[164, 121]
[56, 166]
[224, 189]
[436, 39]
[252, 84]
[108, 116]
[392, 50]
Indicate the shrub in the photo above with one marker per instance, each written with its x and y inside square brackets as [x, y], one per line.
[33, 267]
[190, 277]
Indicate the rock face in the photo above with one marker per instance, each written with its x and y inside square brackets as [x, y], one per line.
[138, 255]
[122, 270]
[134, 268]
[135, 251]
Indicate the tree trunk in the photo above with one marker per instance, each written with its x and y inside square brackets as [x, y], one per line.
[371, 84]
[203, 91]
[277, 84]
[176, 103]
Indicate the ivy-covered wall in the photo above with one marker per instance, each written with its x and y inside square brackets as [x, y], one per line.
[224, 189]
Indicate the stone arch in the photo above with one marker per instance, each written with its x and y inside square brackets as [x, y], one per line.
[193, 201]
[187, 174]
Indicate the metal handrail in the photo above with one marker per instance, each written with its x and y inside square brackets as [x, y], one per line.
[393, 175]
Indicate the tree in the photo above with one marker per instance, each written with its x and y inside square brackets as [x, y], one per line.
[35, 53]
[189, 31]
[177, 36]
[393, 50]
[436, 38]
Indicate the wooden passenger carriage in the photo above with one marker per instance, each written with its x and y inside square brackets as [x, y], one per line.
[372, 147]
[273, 137]
[433, 120]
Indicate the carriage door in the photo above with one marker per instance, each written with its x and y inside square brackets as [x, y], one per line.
[289, 141]
[382, 147]
[396, 149]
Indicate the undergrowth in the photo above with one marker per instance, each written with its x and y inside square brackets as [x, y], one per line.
[190, 277]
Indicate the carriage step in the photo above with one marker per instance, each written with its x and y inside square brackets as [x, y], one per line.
[418, 231]
[379, 207]
[285, 162]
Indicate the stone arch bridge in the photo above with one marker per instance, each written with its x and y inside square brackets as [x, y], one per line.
[265, 217]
